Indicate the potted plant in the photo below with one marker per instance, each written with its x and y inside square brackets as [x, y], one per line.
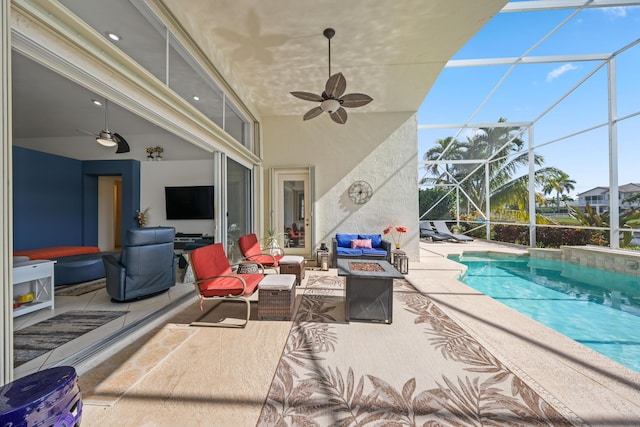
[271, 242]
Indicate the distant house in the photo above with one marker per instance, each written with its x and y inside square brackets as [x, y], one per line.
[598, 197]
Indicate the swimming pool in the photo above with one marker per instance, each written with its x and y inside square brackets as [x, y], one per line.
[598, 308]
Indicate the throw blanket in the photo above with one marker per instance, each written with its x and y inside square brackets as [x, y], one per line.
[56, 252]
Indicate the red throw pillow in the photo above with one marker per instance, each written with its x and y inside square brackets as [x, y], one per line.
[361, 243]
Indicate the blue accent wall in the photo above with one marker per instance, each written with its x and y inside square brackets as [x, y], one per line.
[129, 170]
[47, 200]
[55, 198]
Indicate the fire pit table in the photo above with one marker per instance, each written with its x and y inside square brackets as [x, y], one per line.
[369, 289]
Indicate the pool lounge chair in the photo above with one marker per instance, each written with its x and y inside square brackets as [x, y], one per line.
[441, 228]
[427, 231]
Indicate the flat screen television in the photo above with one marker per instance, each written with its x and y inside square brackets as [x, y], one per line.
[193, 202]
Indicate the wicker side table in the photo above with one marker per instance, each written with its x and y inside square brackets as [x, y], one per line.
[276, 296]
[293, 264]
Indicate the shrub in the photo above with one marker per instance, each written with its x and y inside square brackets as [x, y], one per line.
[548, 237]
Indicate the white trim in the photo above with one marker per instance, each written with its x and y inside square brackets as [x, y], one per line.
[533, 5]
[527, 60]
[6, 196]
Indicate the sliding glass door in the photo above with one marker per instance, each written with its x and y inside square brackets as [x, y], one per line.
[238, 206]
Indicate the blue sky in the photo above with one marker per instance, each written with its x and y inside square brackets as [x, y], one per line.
[531, 89]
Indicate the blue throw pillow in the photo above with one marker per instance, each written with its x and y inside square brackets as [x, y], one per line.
[376, 239]
[344, 240]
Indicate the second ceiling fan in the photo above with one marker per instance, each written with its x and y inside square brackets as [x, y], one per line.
[108, 138]
[332, 100]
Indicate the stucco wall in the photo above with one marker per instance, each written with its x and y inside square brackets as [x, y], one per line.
[381, 149]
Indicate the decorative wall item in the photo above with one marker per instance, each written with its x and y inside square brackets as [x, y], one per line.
[154, 153]
[360, 192]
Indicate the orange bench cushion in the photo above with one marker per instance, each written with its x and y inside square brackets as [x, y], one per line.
[57, 252]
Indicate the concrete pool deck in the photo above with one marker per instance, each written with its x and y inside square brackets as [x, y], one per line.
[569, 375]
[595, 388]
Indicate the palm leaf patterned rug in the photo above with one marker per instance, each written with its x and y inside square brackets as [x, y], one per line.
[423, 369]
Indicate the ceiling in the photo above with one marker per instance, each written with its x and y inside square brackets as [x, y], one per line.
[392, 51]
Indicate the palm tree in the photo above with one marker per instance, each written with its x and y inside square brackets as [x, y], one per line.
[450, 149]
[506, 151]
[560, 183]
[507, 155]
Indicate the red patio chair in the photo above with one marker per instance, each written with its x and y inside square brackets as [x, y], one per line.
[297, 231]
[293, 237]
[251, 251]
[215, 280]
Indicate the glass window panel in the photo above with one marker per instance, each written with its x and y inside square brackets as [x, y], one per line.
[142, 36]
[190, 81]
[238, 206]
[236, 126]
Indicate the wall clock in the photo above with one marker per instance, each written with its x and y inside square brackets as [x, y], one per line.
[360, 192]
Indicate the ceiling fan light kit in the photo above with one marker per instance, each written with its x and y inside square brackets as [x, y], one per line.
[332, 99]
[107, 138]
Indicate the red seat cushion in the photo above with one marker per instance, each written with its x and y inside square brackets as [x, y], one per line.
[221, 287]
[209, 261]
[266, 260]
[251, 250]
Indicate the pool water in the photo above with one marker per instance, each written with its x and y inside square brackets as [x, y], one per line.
[598, 308]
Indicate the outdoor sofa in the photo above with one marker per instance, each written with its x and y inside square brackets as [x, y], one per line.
[360, 246]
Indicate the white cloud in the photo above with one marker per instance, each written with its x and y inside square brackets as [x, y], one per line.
[560, 71]
[616, 12]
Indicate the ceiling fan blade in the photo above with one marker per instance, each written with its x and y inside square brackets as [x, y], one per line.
[123, 146]
[314, 112]
[87, 132]
[353, 100]
[308, 96]
[336, 85]
[339, 116]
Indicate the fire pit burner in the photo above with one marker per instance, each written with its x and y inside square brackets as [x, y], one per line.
[365, 266]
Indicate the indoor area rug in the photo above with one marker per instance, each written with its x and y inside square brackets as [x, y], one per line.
[80, 288]
[422, 369]
[38, 339]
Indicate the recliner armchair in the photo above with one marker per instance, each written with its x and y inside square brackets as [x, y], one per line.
[145, 267]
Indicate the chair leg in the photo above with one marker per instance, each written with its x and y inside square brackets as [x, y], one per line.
[228, 325]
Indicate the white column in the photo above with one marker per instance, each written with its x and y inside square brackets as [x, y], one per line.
[532, 190]
[614, 217]
[6, 233]
[487, 196]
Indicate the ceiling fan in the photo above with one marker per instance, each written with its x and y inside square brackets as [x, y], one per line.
[332, 99]
[108, 138]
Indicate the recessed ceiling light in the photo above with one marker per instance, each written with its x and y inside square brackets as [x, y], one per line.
[196, 98]
[113, 36]
[96, 102]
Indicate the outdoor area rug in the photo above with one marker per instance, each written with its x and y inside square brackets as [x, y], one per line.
[38, 339]
[423, 369]
[80, 288]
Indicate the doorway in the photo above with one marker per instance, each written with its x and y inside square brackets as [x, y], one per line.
[292, 209]
[109, 212]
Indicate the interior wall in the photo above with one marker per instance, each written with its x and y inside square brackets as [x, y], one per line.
[106, 206]
[47, 200]
[155, 175]
[381, 149]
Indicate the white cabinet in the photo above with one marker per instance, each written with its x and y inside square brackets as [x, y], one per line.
[37, 277]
